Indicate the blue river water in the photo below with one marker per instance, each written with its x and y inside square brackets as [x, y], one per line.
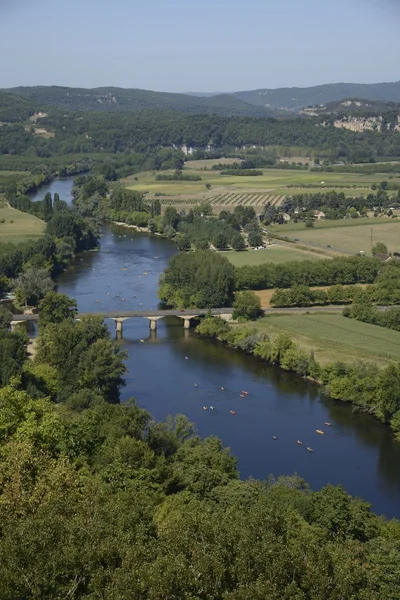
[356, 452]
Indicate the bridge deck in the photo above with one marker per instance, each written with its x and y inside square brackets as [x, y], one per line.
[124, 314]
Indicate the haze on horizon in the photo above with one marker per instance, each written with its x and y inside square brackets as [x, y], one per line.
[178, 46]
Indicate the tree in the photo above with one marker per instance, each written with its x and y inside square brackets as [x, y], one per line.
[55, 308]
[201, 279]
[379, 248]
[247, 306]
[5, 318]
[32, 286]
[309, 222]
[183, 243]
[220, 240]
[237, 242]
[101, 368]
[47, 207]
[171, 217]
[12, 355]
[255, 238]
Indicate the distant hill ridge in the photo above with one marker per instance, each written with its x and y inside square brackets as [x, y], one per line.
[298, 98]
[117, 99]
[253, 103]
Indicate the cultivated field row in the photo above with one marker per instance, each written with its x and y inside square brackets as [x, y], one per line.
[228, 199]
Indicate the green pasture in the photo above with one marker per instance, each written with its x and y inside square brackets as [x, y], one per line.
[332, 337]
[274, 254]
[18, 226]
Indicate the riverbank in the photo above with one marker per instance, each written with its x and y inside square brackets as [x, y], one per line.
[368, 388]
[135, 227]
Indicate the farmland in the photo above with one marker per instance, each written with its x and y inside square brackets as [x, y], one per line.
[333, 337]
[276, 253]
[350, 235]
[230, 190]
[18, 226]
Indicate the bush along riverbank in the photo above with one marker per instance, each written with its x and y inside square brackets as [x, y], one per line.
[28, 267]
[370, 389]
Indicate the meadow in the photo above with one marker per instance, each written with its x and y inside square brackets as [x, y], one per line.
[16, 226]
[347, 234]
[276, 253]
[333, 337]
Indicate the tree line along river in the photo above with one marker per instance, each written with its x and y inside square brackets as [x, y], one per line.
[175, 371]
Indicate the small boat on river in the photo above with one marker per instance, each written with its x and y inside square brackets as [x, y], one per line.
[299, 442]
[320, 431]
[204, 407]
[328, 424]
[233, 412]
[242, 396]
[274, 437]
[309, 449]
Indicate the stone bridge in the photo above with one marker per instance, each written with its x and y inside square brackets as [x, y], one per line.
[152, 315]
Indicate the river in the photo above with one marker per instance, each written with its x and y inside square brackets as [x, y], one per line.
[357, 451]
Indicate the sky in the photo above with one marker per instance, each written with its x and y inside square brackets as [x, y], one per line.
[207, 46]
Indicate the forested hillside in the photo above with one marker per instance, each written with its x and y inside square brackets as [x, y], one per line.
[14, 109]
[139, 131]
[110, 99]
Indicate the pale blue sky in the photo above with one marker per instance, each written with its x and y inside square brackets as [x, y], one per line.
[211, 45]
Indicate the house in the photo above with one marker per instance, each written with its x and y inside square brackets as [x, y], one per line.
[285, 217]
[318, 214]
[383, 257]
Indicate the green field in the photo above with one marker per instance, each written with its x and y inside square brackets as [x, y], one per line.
[351, 235]
[274, 183]
[332, 337]
[18, 226]
[275, 254]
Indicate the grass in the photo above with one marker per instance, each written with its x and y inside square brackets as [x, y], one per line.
[348, 235]
[24, 226]
[275, 254]
[278, 181]
[332, 337]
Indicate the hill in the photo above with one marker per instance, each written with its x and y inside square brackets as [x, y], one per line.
[111, 99]
[296, 98]
[14, 109]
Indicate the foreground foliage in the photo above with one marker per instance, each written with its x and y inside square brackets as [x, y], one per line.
[99, 501]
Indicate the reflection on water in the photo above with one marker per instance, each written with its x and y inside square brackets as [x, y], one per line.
[356, 451]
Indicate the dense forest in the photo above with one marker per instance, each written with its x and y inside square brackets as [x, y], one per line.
[149, 129]
[98, 500]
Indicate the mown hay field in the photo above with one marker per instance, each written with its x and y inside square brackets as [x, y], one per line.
[18, 226]
[332, 337]
[274, 254]
[353, 236]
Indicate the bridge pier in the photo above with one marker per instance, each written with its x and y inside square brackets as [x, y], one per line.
[119, 327]
[226, 317]
[153, 322]
[14, 325]
[186, 320]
